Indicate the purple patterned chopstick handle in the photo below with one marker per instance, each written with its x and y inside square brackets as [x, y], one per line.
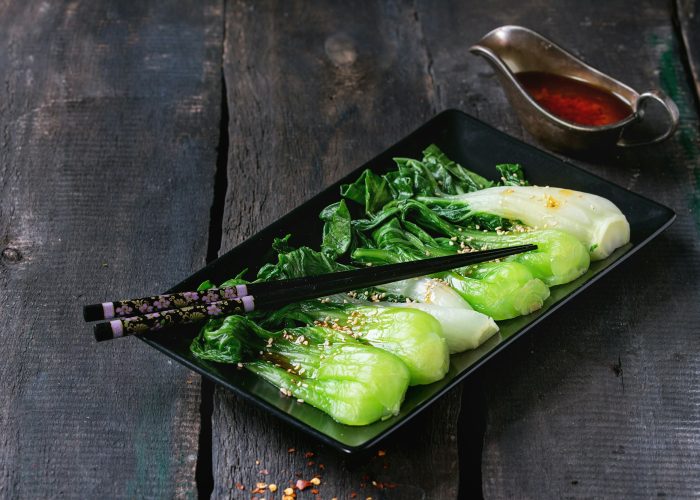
[157, 320]
[157, 303]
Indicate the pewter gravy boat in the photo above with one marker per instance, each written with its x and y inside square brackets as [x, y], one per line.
[514, 49]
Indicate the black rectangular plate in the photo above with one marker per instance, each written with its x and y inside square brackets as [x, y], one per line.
[475, 145]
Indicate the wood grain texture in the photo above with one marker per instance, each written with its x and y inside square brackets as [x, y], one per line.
[314, 91]
[688, 14]
[108, 130]
[602, 401]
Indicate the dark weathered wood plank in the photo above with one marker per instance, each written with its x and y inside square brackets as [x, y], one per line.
[561, 422]
[688, 14]
[313, 92]
[108, 129]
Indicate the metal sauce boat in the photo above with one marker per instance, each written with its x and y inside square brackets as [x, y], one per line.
[513, 49]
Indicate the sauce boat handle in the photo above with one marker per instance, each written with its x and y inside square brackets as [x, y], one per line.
[670, 108]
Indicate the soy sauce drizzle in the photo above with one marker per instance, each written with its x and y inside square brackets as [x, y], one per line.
[573, 100]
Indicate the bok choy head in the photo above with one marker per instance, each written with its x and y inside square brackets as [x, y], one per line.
[502, 290]
[462, 327]
[413, 336]
[354, 383]
[593, 220]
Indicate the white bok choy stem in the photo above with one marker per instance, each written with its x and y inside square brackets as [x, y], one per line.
[462, 327]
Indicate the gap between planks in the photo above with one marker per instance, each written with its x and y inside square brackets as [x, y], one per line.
[684, 50]
[204, 474]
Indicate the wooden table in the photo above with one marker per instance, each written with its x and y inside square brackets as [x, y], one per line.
[140, 139]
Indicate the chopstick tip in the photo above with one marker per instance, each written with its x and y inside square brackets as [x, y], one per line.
[103, 331]
[93, 312]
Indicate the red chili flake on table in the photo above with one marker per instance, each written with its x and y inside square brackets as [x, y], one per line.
[314, 491]
[302, 484]
[240, 487]
[291, 450]
[381, 453]
[573, 100]
[309, 454]
[259, 488]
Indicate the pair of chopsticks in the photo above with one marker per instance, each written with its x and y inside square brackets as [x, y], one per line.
[147, 314]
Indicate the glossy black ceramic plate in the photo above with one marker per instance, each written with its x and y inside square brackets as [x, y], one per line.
[478, 147]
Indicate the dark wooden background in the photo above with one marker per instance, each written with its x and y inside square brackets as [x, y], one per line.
[140, 139]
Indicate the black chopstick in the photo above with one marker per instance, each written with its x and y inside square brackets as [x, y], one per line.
[245, 298]
[164, 302]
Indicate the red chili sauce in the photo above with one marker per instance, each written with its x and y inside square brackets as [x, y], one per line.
[573, 100]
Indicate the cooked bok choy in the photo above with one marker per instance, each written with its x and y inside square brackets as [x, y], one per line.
[502, 290]
[354, 355]
[354, 383]
[413, 336]
[559, 258]
[462, 327]
[594, 220]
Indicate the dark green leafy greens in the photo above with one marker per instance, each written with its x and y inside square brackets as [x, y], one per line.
[337, 230]
[511, 174]
[369, 190]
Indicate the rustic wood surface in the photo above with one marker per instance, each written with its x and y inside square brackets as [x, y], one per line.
[108, 117]
[605, 403]
[688, 18]
[313, 93]
[118, 178]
